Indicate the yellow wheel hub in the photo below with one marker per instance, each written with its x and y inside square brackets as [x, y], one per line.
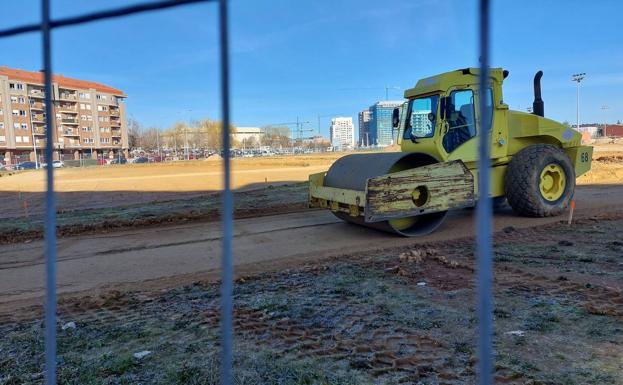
[553, 181]
[402, 223]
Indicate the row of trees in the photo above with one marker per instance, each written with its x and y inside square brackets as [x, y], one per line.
[206, 134]
[201, 134]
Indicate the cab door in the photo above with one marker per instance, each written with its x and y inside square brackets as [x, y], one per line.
[459, 129]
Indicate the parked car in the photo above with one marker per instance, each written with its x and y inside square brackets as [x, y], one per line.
[118, 161]
[55, 164]
[102, 161]
[141, 159]
[26, 166]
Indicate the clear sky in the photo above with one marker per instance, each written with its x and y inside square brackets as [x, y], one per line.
[311, 58]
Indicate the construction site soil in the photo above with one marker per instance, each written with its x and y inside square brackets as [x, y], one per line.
[316, 301]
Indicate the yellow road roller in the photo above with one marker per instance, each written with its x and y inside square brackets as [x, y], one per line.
[534, 160]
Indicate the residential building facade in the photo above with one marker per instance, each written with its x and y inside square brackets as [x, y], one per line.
[342, 133]
[364, 128]
[380, 130]
[89, 117]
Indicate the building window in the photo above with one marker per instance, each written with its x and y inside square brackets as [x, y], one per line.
[24, 126]
[19, 86]
[89, 118]
[22, 113]
[16, 126]
[25, 139]
[101, 97]
[104, 140]
[102, 108]
[2, 138]
[21, 99]
[13, 99]
[1, 125]
[1, 112]
[18, 139]
[15, 112]
[83, 117]
[12, 86]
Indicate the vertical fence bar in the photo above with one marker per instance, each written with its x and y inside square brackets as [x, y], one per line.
[50, 205]
[484, 211]
[226, 211]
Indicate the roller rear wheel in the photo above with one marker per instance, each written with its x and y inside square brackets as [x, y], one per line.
[539, 181]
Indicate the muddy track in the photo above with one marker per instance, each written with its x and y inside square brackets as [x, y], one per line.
[169, 256]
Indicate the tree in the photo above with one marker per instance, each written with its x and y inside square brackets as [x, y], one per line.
[134, 133]
[210, 133]
[276, 137]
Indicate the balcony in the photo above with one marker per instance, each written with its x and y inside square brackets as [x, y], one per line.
[114, 112]
[69, 121]
[68, 108]
[70, 133]
[37, 105]
[37, 94]
[67, 96]
[37, 131]
[115, 133]
[38, 118]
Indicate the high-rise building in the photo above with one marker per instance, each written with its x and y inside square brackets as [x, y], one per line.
[342, 133]
[364, 128]
[89, 117]
[380, 129]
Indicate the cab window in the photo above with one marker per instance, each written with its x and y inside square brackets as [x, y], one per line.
[422, 117]
[460, 119]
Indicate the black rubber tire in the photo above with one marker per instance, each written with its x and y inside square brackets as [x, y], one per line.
[521, 182]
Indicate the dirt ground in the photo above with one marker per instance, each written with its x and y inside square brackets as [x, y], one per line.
[112, 186]
[317, 301]
[401, 315]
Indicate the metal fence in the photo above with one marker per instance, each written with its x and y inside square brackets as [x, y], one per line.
[484, 210]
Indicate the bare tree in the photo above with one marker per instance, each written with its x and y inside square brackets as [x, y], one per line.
[134, 133]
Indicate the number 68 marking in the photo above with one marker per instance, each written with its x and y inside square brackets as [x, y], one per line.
[584, 157]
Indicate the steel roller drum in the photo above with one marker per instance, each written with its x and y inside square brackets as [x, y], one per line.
[352, 171]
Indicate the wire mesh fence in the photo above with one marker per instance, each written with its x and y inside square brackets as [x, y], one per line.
[224, 312]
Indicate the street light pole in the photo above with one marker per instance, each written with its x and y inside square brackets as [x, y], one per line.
[578, 78]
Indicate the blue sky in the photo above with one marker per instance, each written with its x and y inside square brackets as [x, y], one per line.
[310, 58]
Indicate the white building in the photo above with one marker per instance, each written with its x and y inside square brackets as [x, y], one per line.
[248, 135]
[342, 133]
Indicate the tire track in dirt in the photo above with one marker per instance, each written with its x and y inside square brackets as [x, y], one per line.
[594, 299]
[382, 351]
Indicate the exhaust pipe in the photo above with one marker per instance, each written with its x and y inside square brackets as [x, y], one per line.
[537, 106]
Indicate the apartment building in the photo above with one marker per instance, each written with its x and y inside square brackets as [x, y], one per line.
[342, 133]
[89, 117]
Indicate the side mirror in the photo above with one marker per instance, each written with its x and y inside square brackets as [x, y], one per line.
[431, 117]
[396, 118]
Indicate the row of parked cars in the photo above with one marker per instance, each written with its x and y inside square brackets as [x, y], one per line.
[31, 165]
